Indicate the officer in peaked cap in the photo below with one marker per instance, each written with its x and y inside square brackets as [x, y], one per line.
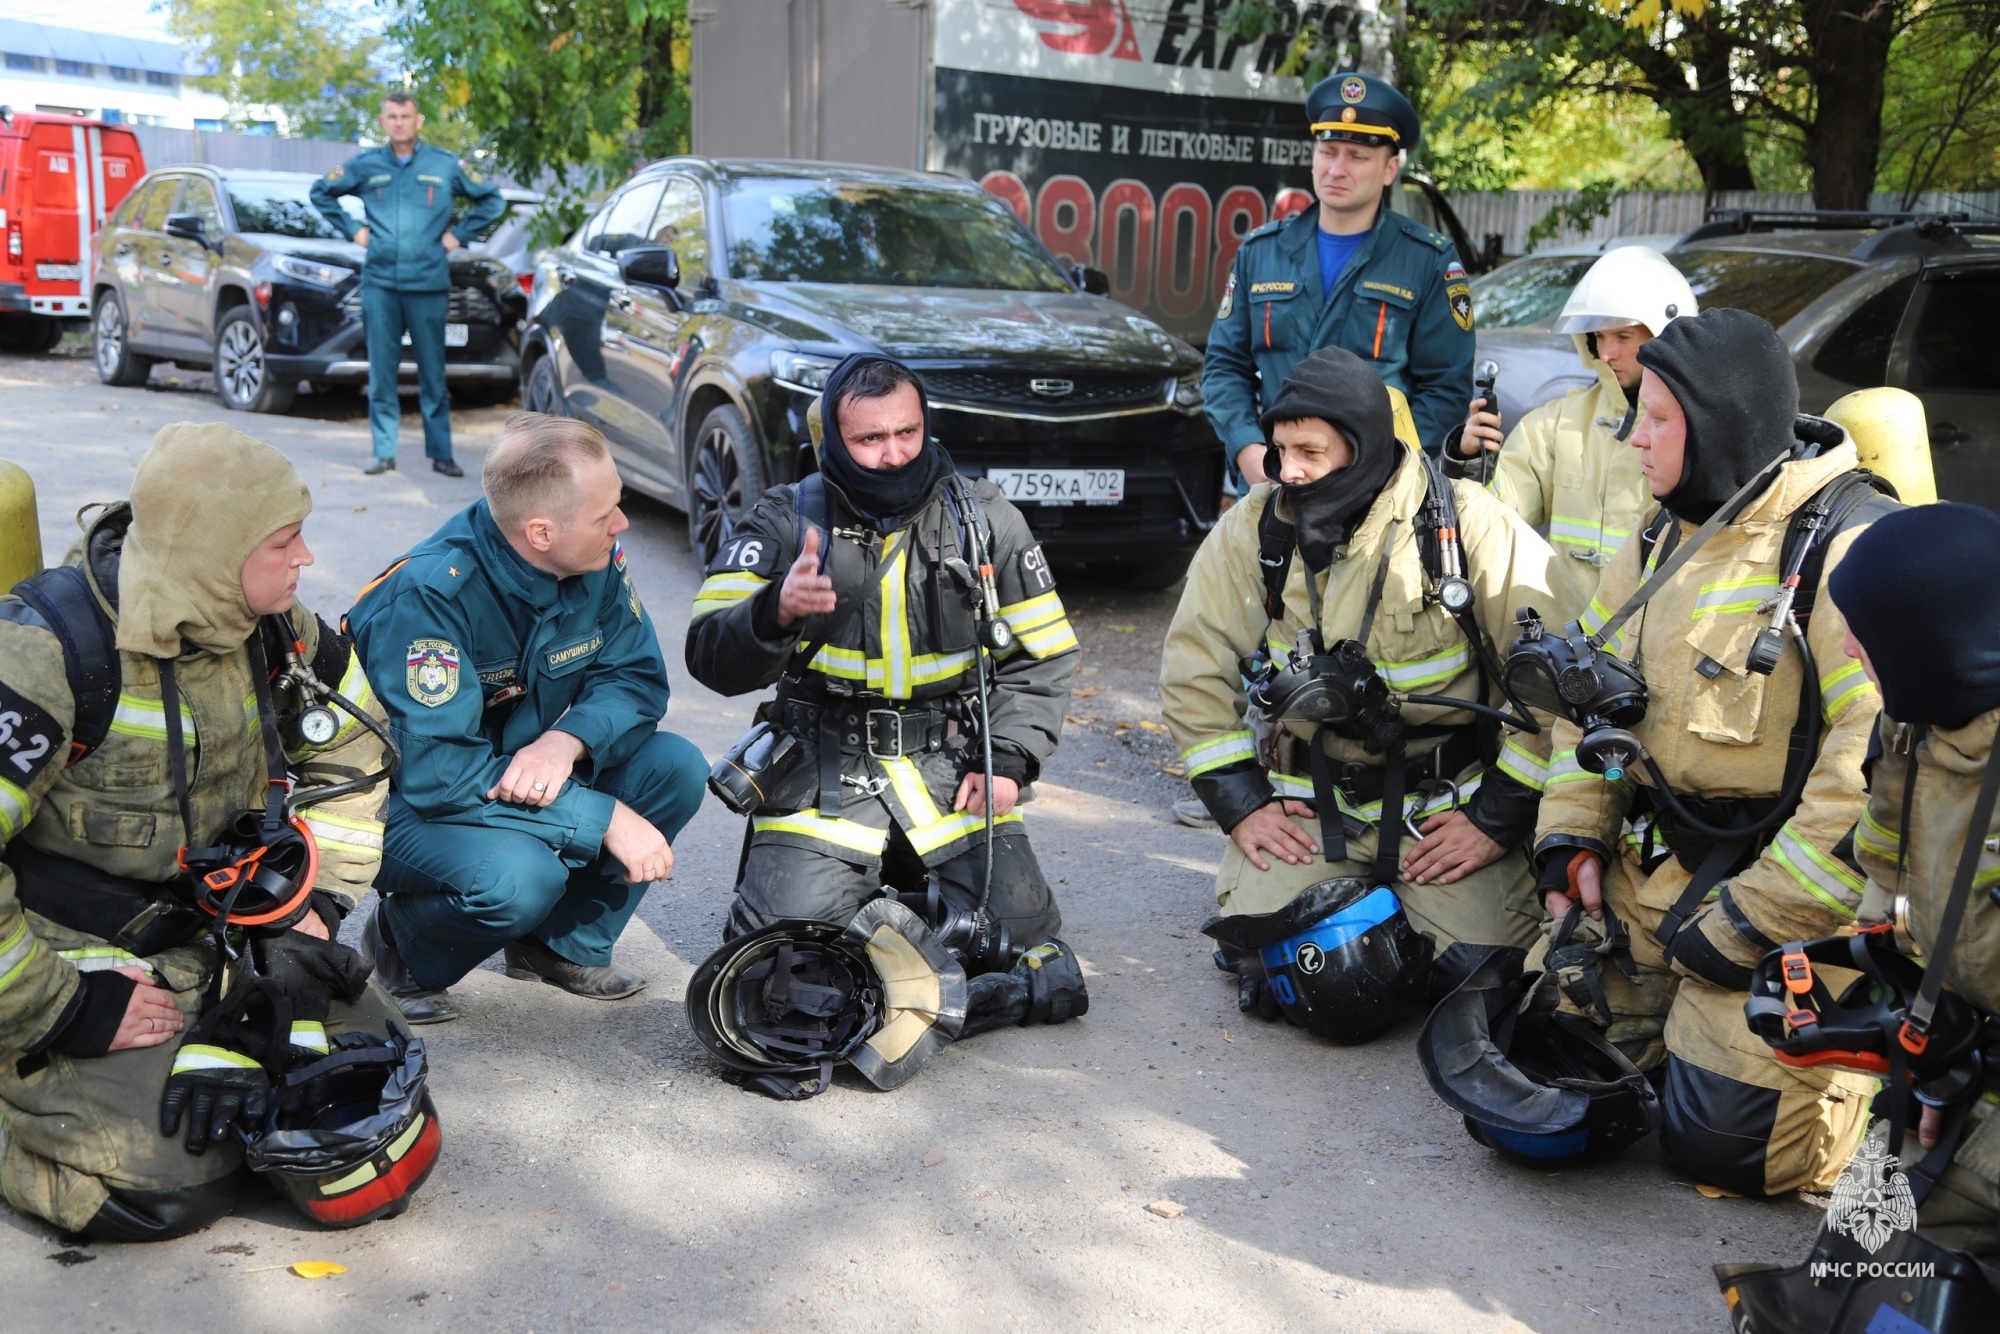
[1349, 273]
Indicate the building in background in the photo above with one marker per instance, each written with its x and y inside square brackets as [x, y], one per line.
[108, 77]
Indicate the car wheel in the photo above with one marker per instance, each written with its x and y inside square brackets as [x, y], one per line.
[242, 374]
[725, 477]
[117, 363]
[29, 334]
[542, 390]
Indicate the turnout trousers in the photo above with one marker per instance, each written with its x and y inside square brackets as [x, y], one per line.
[1734, 1116]
[80, 1141]
[387, 315]
[457, 893]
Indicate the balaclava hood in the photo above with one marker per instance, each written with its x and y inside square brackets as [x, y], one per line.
[1734, 380]
[1917, 589]
[204, 497]
[886, 497]
[1337, 387]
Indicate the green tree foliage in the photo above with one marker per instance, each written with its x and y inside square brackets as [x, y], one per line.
[1941, 117]
[311, 60]
[573, 93]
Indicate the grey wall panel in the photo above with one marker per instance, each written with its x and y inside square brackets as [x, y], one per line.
[871, 74]
[742, 79]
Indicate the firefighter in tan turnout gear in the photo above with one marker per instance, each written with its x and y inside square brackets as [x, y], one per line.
[151, 637]
[1565, 467]
[1347, 805]
[893, 604]
[1754, 724]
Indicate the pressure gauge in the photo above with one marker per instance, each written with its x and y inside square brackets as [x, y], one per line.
[318, 725]
[1455, 593]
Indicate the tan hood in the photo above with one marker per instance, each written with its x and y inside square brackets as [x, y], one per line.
[1597, 366]
[204, 497]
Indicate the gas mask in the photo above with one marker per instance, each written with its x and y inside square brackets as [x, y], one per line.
[1577, 678]
[1339, 689]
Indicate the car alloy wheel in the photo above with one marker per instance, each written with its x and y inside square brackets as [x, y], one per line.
[725, 477]
[110, 338]
[239, 364]
[543, 392]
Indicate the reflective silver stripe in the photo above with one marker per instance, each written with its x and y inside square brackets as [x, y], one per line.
[103, 958]
[1735, 595]
[197, 1057]
[310, 1035]
[14, 808]
[345, 833]
[1225, 749]
[1825, 879]
[1434, 670]
[137, 716]
[16, 952]
[1526, 769]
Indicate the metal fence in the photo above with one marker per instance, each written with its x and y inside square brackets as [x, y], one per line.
[1512, 214]
[166, 147]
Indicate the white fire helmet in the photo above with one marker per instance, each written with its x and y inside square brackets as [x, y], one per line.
[1631, 285]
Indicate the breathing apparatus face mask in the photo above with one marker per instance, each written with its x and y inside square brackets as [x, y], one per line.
[1339, 689]
[1576, 678]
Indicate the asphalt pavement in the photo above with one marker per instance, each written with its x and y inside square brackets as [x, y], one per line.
[598, 1174]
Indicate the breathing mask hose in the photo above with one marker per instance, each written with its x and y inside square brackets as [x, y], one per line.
[1526, 721]
[1795, 784]
[391, 756]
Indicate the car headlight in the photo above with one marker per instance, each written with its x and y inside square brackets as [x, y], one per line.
[796, 370]
[1187, 393]
[316, 272]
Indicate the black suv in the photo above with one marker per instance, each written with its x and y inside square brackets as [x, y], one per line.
[236, 271]
[693, 319]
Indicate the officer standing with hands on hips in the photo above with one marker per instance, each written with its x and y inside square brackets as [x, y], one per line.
[1349, 274]
[406, 189]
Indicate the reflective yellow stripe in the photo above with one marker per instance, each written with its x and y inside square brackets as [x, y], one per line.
[103, 958]
[1525, 768]
[840, 833]
[1827, 880]
[310, 1035]
[1563, 768]
[1041, 625]
[1025, 616]
[1433, 670]
[1285, 785]
[14, 808]
[723, 590]
[359, 1177]
[1872, 836]
[1565, 530]
[1442, 801]
[196, 1056]
[846, 663]
[895, 627]
[1229, 748]
[908, 782]
[1592, 621]
[16, 953]
[1840, 687]
[1059, 637]
[362, 838]
[137, 716]
[355, 689]
[927, 839]
[1734, 595]
[930, 668]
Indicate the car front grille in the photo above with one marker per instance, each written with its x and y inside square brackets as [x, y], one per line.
[465, 305]
[1088, 391]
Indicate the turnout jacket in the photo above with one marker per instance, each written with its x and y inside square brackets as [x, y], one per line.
[115, 809]
[1564, 470]
[902, 633]
[1721, 731]
[477, 653]
[406, 207]
[1950, 764]
[1403, 304]
[1415, 644]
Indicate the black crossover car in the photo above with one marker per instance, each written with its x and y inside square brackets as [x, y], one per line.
[694, 319]
[236, 271]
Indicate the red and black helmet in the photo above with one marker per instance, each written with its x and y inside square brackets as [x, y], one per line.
[351, 1135]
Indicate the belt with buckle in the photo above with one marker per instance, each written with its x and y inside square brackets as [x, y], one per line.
[885, 732]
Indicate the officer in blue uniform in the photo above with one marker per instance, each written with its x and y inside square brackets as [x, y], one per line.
[406, 190]
[535, 800]
[1348, 274]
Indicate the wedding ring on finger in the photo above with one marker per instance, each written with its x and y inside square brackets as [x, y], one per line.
[541, 787]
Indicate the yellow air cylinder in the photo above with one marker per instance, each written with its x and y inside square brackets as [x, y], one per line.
[1890, 434]
[20, 526]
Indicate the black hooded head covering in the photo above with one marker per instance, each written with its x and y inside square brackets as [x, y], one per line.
[887, 498]
[1734, 380]
[1918, 591]
[1337, 387]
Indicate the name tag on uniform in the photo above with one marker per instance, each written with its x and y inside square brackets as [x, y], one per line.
[431, 180]
[569, 657]
[380, 180]
[1389, 290]
[1274, 288]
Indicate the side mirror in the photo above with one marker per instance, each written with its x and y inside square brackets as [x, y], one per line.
[1094, 281]
[650, 266]
[187, 226]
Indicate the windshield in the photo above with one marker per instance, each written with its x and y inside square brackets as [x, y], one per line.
[283, 208]
[892, 236]
[1776, 287]
[1528, 291]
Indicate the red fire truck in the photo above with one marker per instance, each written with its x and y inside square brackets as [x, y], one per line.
[59, 177]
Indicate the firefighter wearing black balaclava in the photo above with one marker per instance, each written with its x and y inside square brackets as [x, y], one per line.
[1774, 753]
[908, 618]
[1434, 804]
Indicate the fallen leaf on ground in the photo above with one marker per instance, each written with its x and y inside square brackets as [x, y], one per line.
[317, 1268]
[1152, 726]
[1717, 1192]
[934, 1157]
[1122, 629]
[1124, 727]
[358, 509]
[1177, 770]
[1167, 1208]
[1085, 692]
[1226, 1038]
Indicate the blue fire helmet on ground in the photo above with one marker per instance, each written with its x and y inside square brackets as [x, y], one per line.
[1542, 1086]
[1341, 959]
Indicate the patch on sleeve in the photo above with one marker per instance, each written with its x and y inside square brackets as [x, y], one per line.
[29, 738]
[1460, 297]
[1454, 272]
[751, 553]
[1035, 575]
[336, 173]
[432, 671]
[1228, 298]
[465, 170]
[625, 578]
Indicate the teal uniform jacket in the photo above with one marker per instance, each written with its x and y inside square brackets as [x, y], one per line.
[1403, 304]
[475, 653]
[407, 207]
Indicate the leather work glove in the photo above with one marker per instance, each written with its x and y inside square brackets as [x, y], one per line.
[1579, 948]
[313, 973]
[221, 1074]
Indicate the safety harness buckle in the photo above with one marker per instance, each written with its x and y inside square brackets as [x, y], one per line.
[891, 722]
[1913, 1041]
[1798, 1019]
[1797, 971]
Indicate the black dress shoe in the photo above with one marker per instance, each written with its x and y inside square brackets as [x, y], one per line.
[378, 467]
[419, 1004]
[447, 467]
[529, 959]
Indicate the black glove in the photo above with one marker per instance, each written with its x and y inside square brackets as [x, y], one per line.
[313, 973]
[221, 1074]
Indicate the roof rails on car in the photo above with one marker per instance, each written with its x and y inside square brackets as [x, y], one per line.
[1896, 232]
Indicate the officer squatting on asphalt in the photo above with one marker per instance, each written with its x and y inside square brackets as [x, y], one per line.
[1622, 818]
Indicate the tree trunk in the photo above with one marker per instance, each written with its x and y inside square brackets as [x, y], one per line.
[1691, 85]
[1850, 41]
[656, 77]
